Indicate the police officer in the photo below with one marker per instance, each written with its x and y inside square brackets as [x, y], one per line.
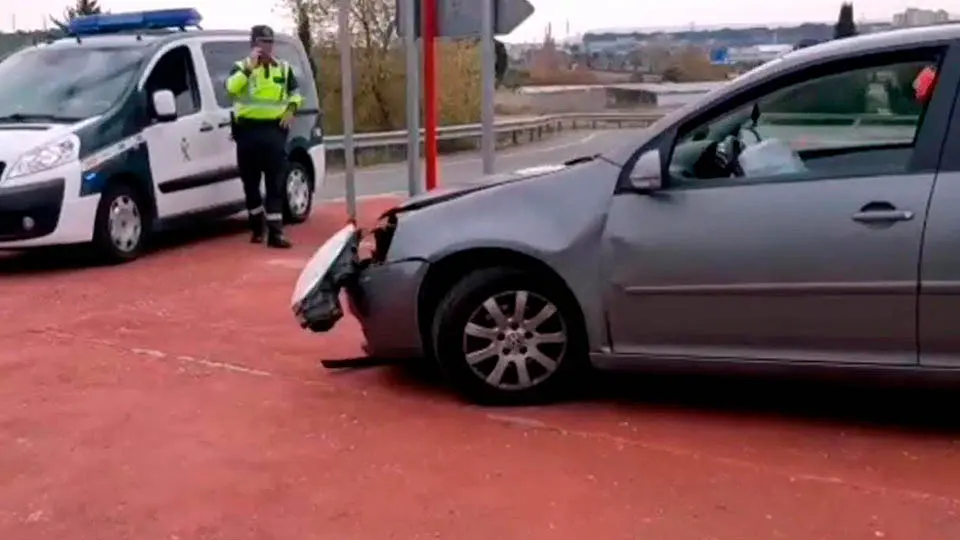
[266, 97]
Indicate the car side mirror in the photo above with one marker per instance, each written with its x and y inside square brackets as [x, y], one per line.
[164, 106]
[647, 173]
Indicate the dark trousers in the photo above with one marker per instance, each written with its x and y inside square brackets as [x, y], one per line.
[261, 152]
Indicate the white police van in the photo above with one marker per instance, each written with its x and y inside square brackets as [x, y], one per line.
[123, 129]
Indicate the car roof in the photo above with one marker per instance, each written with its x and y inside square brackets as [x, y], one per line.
[867, 43]
[152, 38]
[846, 48]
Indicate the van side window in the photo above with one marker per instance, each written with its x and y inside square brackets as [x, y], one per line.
[222, 55]
[175, 72]
[287, 51]
[852, 121]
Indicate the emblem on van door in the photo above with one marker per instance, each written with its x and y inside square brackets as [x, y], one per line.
[185, 149]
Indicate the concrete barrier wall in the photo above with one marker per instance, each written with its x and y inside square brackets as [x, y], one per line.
[578, 100]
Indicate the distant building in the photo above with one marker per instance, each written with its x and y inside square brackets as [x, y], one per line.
[920, 17]
[616, 44]
[751, 55]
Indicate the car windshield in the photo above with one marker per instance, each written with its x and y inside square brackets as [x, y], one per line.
[65, 84]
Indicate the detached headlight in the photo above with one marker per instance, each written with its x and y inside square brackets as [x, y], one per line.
[46, 157]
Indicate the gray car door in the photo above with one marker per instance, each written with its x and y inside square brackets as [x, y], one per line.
[939, 302]
[818, 264]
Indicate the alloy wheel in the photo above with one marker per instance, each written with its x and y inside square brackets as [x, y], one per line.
[515, 340]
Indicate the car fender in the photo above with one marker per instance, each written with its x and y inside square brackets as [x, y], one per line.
[557, 219]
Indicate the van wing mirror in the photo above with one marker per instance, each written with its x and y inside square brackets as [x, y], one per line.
[164, 105]
[647, 173]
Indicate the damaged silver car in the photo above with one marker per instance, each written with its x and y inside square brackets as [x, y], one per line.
[788, 219]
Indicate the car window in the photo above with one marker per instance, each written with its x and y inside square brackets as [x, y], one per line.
[852, 122]
[70, 83]
[222, 55]
[287, 51]
[175, 72]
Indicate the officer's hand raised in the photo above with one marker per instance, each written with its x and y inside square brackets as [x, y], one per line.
[254, 57]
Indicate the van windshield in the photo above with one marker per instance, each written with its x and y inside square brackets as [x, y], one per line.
[65, 84]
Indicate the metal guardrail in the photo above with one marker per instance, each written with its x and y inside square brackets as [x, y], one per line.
[536, 126]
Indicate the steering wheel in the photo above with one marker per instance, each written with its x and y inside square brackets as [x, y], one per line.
[726, 154]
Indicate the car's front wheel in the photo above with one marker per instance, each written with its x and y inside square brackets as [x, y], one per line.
[120, 228]
[506, 336]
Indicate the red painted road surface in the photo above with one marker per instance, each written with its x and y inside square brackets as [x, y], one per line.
[176, 399]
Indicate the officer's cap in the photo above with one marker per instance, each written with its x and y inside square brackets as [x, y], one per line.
[261, 32]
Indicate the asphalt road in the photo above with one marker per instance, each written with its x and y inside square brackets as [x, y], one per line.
[177, 398]
[466, 167]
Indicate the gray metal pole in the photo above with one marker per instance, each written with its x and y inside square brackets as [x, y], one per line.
[414, 182]
[487, 138]
[346, 76]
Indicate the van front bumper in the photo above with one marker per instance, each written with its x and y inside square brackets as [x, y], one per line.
[52, 200]
[31, 210]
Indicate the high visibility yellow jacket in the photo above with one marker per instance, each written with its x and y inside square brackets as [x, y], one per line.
[264, 92]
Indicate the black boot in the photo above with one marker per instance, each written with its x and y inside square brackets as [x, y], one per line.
[256, 228]
[275, 237]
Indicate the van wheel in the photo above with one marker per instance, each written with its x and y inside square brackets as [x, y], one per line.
[120, 227]
[503, 337]
[298, 189]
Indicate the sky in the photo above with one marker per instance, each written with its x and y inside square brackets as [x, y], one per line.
[580, 15]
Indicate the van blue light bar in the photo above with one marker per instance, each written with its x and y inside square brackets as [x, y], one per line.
[110, 23]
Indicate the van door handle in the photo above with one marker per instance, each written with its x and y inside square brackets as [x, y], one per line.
[206, 127]
[881, 212]
[224, 123]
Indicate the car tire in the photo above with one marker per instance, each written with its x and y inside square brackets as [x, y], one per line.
[516, 360]
[121, 225]
[297, 193]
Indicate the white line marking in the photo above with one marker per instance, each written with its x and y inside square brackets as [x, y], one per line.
[696, 454]
[293, 264]
[224, 365]
[160, 355]
[153, 353]
[518, 421]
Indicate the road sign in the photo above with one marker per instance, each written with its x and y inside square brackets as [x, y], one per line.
[720, 56]
[510, 14]
[464, 18]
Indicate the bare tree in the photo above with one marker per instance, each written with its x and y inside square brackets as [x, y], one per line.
[379, 77]
[78, 9]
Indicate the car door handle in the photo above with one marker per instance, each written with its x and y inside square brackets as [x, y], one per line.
[224, 123]
[206, 127]
[882, 216]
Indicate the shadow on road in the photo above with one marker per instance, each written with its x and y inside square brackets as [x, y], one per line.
[67, 258]
[847, 402]
[850, 402]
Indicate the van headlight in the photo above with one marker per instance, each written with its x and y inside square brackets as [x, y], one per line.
[48, 156]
